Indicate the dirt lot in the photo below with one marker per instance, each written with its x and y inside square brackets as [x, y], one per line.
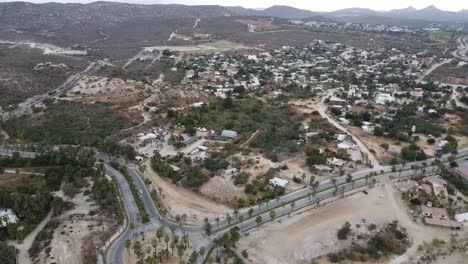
[450, 73]
[78, 231]
[373, 143]
[181, 201]
[311, 234]
[11, 180]
[222, 190]
[258, 25]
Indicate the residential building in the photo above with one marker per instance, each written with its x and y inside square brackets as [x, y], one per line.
[279, 182]
[7, 216]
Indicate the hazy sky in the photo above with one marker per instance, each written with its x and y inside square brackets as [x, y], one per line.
[315, 5]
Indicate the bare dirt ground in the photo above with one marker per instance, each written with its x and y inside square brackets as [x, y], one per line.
[302, 237]
[374, 143]
[11, 180]
[181, 201]
[258, 25]
[215, 46]
[78, 230]
[222, 190]
[92, 85]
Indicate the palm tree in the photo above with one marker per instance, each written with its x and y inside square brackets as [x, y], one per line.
[241, 219]
[128, 245]
[251, 210]
[228, 218]
[258, 220]
[272, 214]
[236, 212]
[283, 204]
[217, 222]
[292, 204]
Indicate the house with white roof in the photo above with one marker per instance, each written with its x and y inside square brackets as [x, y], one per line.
[279, 182]
[7, 216]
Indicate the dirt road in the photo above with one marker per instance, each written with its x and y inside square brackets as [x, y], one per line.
[433, 68]
[321, 107]
[23, 256]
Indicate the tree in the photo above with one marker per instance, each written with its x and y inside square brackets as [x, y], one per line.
[227, 103]
[228, 218]
[250, 212]
[272, 214]
[241, 219]
[128, 245]
[292, 204]
[193, 257]
[258, 220]
[217, 222]
[236, 212]
[344, 231]
[202, 251]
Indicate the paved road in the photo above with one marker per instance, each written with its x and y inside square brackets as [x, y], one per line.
[26, 107]
[325, 190]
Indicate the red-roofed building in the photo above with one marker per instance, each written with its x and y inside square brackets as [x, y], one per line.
[432, 212]
[461, 172]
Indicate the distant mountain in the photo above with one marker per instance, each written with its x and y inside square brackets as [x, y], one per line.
[50, 15]
[287, 12]
[430, 13]
[274, 11]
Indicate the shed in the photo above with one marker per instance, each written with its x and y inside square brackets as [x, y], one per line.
[279, 182]
[229, 134]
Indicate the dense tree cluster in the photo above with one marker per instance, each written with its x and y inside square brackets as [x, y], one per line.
[65, 168]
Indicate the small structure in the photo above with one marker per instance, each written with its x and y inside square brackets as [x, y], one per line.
[189, 141]
[347, 145]
[229, 134]
[148, 138]
[335, 101]
[279, 182]
[176, 169]
[433, 212]
[443, 223]
[7, 216]
[334, 162]
[438, 185]
[383, 98]
[461, 217]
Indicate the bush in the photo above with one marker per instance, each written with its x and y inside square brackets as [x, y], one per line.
[344, 231]
[241, 178]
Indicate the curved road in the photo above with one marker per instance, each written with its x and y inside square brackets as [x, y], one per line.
[301, 198]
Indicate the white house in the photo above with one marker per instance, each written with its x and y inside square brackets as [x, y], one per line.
[7, 216]
[347, 145]
[279, 182]
[229, 134]
[383, 98]
[461, 217]
[334, 162]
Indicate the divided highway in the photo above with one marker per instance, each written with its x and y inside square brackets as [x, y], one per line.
[300, 197]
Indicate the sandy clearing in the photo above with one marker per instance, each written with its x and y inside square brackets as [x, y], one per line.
[302, 237]
[222, 190]
[181, 201]
[76, 230]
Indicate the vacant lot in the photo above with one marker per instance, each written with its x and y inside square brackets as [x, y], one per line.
[450, 73]
[181, 201]
[11, 180]
[311, 234]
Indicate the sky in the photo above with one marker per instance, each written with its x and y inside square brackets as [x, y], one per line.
[314, 5]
